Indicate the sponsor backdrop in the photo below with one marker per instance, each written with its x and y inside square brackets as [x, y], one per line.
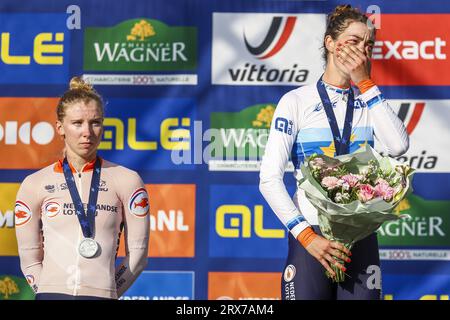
[190, 89]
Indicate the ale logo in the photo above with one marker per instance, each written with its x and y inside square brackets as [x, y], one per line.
[22, 213]
[139, 204]
[140, 45]
[274, 40]
[52, 209]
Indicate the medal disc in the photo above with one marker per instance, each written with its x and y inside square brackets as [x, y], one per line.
[88, 248]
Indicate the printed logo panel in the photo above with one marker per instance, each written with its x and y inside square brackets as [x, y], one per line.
[15, 288]
[242, 136]
[428, 225]
[8, 241]
[402, 57]
[28, 134]
[34, 48]
[162, 285]
[430, 286]
[149, 134]
[243, 225]
[140, 45]
[244, 285]
[172, 221]
[267, 48]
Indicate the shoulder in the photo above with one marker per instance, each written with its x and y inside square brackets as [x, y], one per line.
[299, 95]
[120, 173]
[41, 175]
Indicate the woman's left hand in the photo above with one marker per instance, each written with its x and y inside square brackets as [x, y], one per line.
[354, 60]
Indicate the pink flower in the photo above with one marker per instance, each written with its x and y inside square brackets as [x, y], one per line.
[366, 192]
[329, 182]
[382, 189]
[351, 179]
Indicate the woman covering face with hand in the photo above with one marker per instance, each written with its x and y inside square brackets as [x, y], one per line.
[340, 113]
[69, 216]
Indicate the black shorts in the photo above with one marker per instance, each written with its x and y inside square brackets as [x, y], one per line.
[304, 277]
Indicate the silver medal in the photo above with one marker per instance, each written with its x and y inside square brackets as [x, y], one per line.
[88, 248]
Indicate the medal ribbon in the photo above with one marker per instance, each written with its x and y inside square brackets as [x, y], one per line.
[87, 220]
[341, 143]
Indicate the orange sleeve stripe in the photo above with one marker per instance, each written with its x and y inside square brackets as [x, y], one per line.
[306, 236]
[365, 85]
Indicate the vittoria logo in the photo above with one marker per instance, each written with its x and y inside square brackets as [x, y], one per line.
[22, 213]
[274, 40]
[139, 204]
[266, 48]
[412, 113]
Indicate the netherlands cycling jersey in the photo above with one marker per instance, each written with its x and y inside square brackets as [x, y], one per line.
[300, 128]
[48, 231]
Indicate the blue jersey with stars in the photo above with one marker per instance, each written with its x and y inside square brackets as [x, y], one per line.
[300, 128]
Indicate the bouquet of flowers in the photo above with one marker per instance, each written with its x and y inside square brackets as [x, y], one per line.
[354, 194]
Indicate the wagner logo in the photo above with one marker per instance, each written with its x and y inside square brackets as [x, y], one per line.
[272, 44]
[242, 137]
[416, 59]
[140, 45]
[172, 221]
[22, 213]
[27, 133]
[139, 204]
[266, 48]
[51, 209]
[428, 224]
[33, 45]
[289, 273]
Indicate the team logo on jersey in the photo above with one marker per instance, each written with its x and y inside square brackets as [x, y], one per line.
[138, 203]
[50, 188]
[289, 273]
[22, 213]
[52, 209]
[283, 125]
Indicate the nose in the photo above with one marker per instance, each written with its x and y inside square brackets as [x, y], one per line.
[87, 130]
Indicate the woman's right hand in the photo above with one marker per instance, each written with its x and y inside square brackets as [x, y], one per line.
[326, 252]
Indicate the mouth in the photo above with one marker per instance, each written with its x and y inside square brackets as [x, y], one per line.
[86, 144]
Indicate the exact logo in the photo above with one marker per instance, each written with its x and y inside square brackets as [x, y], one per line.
[409, 50]
[402, 57]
